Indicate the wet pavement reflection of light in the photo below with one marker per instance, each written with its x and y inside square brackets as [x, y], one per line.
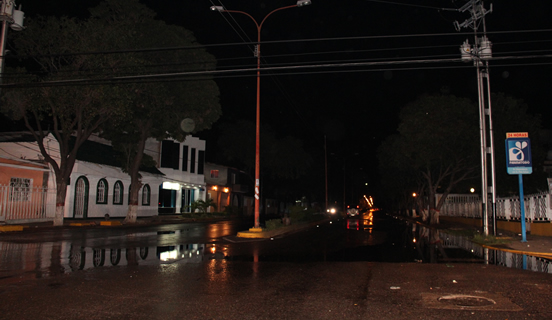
[438, 246]
[367, 238]
[20, 259]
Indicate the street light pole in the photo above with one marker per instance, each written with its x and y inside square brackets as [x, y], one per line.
[258, 117]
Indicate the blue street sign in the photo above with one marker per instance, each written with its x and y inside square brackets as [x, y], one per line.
[518, 153]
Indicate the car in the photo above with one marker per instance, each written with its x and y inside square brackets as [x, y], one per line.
[332, 210]
[353, 210]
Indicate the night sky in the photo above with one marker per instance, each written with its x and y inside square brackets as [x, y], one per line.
[355, 106]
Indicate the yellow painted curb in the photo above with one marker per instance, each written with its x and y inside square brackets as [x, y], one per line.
[255, 229]
[110, 223]
[80, 224]
[251, 235]
[11, 228]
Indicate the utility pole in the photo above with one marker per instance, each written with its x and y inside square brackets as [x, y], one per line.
[13, 17]
[480, 54]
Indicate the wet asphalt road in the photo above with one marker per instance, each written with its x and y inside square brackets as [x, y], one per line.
[342, 270]
[222, 289]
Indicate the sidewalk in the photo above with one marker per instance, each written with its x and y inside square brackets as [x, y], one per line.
[539, 246]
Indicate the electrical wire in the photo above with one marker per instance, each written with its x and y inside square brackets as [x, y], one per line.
[316, 53]
[289, 41]
[412, 5]
[194, 75]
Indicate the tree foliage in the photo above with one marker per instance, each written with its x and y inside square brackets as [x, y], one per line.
[435, 149]
[154, 108]
[120, 39]
[63, 111]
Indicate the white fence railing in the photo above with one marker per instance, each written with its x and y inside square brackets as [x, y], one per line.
[26, 204]
[538, 207]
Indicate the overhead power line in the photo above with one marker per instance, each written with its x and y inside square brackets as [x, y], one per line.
[198, 74]
[203, 46]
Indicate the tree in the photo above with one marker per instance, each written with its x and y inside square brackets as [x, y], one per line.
[203, 205]
[437, 147]
[154, 109]
[70, 113]
[136, 111]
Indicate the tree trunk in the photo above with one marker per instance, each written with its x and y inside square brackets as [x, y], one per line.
[135, 185]
[61, 193]
[132, 214]
[135, 179]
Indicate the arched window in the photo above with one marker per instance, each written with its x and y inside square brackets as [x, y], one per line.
[118, 191]
[102, 192]
[80, 207]
[146, 194]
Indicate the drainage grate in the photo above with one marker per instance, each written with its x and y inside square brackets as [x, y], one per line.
[488, 302]
[466, 300]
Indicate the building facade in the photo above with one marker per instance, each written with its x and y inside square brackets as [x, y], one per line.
[98, 187]
[183, 166]
[229, 187]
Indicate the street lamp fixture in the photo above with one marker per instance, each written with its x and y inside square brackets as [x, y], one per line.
[299, 3]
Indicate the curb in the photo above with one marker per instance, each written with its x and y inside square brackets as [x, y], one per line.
[258, 233]
[11, 228]
[527, 253]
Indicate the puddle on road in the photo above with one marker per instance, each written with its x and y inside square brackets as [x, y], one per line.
[19, 261]
[400, 242]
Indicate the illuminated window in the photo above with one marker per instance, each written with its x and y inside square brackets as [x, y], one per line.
[101, 192]
[214, 174]
[118, 191]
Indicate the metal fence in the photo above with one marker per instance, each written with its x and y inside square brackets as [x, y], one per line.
[461, 205]
[20, 204]
[538, 207]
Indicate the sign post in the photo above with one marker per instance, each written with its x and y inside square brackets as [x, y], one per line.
[518, 161]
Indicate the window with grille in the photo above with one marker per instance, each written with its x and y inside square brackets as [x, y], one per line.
[20, 189]
[102, 192]
[118, 191]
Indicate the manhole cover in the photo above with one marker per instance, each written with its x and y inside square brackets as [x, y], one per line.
[466, 300]
[491, 301]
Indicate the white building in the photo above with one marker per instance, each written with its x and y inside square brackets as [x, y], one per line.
[97, 184]
[183, 166]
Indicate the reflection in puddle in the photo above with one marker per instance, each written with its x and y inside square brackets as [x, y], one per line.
[444, 247]
[20, 261]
